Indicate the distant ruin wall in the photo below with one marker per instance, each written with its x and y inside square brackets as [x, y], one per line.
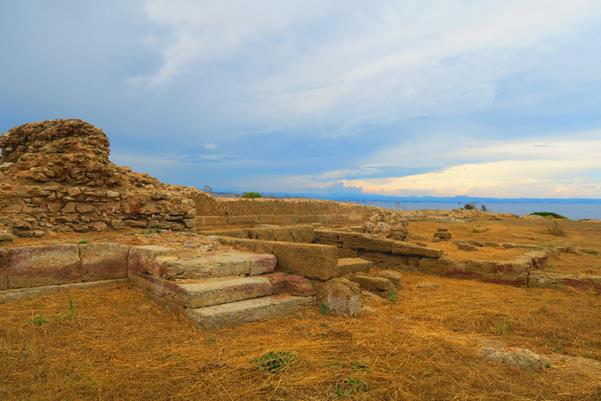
[222, 211]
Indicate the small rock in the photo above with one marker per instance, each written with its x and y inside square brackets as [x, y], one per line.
[112, 194]
[464, 246]
[367, 310]
[394, 276]
[427, 285]
[442, 235]
[6, 237]
[371, 297]
[518, 357]
[376, 284]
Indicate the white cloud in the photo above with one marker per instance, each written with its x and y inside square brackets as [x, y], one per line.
[561, 167]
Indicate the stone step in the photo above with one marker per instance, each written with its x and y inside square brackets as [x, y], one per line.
[353, 265]
[215, 291]
[172, 263]
[250, 310]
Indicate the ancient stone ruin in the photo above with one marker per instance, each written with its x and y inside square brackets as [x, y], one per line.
[232, 260]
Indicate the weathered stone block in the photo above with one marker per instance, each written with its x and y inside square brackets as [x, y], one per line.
[103, 261]
[309, 260]
[291, 283]
[150, 259]
[406, 248]
[3, 269]
[35, 266]
[339, 295]
[375, 284]
[438, 266]
[394, 276]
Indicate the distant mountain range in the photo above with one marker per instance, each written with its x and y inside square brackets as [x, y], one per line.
[361, 197]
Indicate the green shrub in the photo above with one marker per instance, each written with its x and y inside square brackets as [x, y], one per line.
[548, 214]
[469, 206]
[349, 386]
[252, 195]
[70, 311]
[39, 320]
[325, 310]
[393, 296]
[275, 361]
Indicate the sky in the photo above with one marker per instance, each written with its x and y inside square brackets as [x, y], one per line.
[417, 97]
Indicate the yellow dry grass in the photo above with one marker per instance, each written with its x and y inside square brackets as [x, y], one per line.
[122, 346]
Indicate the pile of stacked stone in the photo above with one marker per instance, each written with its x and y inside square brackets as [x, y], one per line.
[56, 175]
[388, 224]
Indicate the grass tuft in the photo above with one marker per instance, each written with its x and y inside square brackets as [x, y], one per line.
[275, 361]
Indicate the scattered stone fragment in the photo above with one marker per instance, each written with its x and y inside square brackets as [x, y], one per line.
[380, 285]
[387, 223]
[394, 276]
[442, 234]
[5, 237]
[464, 246]
[339, 295]
[427, 285]
[517, 357]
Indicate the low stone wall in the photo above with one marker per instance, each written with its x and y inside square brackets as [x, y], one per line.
[384, 252]
[309, 260]
[29, 211]
[299, 233]
[36, 266]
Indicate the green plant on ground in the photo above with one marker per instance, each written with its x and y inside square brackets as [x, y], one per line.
[548, 214]
[325, 309]
[361, 366]
[349, 386]
[393, 296]
[275, 361]
[39, 320]
[502, 327]
[252, 195]
[83, 241]
[70, 310]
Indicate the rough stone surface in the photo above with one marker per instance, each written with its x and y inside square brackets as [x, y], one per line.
[3, 269]
[56, 175]
[339, 295]
[215, 291]
[464, 246]
[387, 223]
[439, 266]
[309, 260]
[380, 285]
[35, 266]
[353, 265]
[517, 357]
[21, 293]
[103, 261]
[427, 285]
[249, 310]
[150, 259]
[291, 283]
[394, 276]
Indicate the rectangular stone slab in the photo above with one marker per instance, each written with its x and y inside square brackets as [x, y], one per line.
[3, 269]
[309, 260]
[249, 310]
[353, 265]
[35, 266]
[217, 291]
[103, 261]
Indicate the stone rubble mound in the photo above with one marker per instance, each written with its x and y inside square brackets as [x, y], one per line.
[387, 223]
[71, 152]
[56, 176]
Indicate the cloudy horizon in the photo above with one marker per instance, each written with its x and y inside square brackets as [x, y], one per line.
[428, 98]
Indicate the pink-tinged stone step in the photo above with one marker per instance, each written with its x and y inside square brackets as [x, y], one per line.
[250, 310]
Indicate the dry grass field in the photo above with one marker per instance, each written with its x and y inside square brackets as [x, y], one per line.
[115, 344]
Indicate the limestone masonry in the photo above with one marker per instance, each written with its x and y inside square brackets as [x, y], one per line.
[56, 176]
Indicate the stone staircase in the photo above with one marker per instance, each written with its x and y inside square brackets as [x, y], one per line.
[218, 288]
